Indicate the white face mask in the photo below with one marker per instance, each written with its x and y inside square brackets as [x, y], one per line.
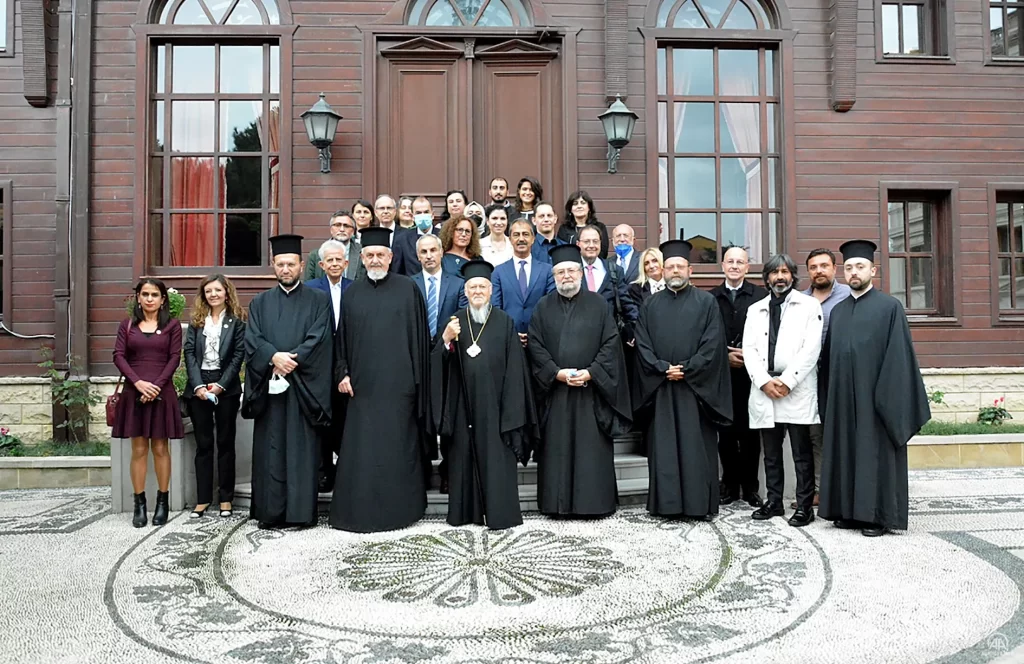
[277, 384]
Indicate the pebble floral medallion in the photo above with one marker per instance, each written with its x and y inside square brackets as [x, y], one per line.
[628, 588]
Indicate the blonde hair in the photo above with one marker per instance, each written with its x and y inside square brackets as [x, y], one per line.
[201, 309]
[652, 251]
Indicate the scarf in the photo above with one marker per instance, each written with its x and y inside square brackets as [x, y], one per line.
[774, 322]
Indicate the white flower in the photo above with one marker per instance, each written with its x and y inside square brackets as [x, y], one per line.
[172, 290]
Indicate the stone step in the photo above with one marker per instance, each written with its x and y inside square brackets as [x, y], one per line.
[630, 476]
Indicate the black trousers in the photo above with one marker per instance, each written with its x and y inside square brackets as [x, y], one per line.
[442, 468]
[214, 425]
[330, 438]
[739, 448]
[803, 459]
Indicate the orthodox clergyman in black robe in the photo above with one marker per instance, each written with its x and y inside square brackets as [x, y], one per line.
[383, 363]
[582, 393]
[484, 401]
[683, 377]
[287, 391]
[872, 399]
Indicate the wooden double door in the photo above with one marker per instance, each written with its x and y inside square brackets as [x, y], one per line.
[453, 113]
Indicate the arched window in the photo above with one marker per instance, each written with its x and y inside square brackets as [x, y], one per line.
[214, 133]
[716, 97]
[475, 13]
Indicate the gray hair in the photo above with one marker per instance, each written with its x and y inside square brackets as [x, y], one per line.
[777, 261]
[428, 237]
[332, 245]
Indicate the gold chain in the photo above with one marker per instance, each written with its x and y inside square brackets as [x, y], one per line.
[469, 321]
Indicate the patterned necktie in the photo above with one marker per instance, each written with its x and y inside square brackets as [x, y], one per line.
[590, 279]
[522, 278]
[432, 306]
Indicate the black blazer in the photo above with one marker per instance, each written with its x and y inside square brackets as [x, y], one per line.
[640, 293]
[232, 352]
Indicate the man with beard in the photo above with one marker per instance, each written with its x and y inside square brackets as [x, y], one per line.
[498, 191]
[546, 220]
[382, 364]
[874, 401]
[333, 262]
[343, 228]
[520, 283]
[739, 448]
[582, 393]
[684, 378]
[821, 267]
[782, 341]
[287, 393]
[483, 400]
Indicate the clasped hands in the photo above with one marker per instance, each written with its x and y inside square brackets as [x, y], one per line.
[573, 377]
[675, 372]
[147, 391]
[217, 390]
[775, 389]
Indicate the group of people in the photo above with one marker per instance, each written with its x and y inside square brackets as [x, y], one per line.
[422, 343]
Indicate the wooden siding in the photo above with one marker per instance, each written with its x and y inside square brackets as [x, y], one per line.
[28, 158]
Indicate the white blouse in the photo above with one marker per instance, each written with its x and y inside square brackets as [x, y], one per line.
[211, 353]
[495, 256]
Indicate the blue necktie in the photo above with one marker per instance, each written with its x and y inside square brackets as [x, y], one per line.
[522, 278]
[432, 306]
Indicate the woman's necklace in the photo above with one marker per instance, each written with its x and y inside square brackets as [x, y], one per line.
[474, 349]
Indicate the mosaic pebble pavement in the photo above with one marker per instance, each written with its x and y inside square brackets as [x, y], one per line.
[80, 585]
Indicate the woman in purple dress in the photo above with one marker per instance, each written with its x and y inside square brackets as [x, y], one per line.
[147, 352]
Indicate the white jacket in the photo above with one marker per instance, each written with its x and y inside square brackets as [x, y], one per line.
[796, 356]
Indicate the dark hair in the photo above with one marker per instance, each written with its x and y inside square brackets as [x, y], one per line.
[374, 222]
[568, 221]
[163, 317]
[538, 193]
[774, 263]
[492, 207]
[342, 213]
[446, 215]
[590, 227]
[820, 252]
[497, 177]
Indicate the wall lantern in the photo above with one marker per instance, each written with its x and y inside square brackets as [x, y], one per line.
[321, 124]
[618, 123]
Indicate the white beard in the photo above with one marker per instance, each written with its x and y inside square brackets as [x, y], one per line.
[376, 275]
[480, 315]
[569, 290]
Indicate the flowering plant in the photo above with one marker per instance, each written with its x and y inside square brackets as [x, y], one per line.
[994, 414]
[9, 443]
[175, 302]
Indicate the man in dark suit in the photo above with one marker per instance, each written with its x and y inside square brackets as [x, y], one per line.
[604, 277]
[626, 257]
[519, 284]
[406, 258]
[444, 295]
[333, 263]
[738, 447]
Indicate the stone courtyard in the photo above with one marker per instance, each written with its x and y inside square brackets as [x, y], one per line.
[78, 584]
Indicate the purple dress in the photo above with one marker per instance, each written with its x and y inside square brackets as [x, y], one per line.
[152, 358]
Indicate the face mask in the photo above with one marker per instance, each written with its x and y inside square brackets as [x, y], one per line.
[423, 221]
[476, 218]
[622, 249]
[277, 384]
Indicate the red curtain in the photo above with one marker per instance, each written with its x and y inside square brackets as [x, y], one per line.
[192, 233]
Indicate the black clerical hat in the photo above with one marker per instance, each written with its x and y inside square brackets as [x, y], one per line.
[676, 249]
[858, 249]
[565, 253]
[477, 267]
[377, 236]
[286, 244]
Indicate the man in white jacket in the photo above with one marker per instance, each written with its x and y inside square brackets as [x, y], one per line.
[781, 344]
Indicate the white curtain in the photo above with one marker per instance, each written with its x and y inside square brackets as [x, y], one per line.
[743, 121]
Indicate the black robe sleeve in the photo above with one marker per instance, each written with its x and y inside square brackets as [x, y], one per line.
[520, 430]
[312, 383]
[545, 369]
[258, 352]
[901, 401]
[608, 375]
[650, 369]
[707, 370]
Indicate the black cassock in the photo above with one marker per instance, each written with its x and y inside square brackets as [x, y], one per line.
[498, 428]
[683, 328]
[388, 440]
[287, 426]
[874, 400]
[576, 460]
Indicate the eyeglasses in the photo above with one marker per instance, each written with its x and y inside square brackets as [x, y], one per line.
[566, 271]
[342, 225]
[464, 231]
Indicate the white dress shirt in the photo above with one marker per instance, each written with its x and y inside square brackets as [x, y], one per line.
[656, 286]
[335, 300]
[624, 261]
[528, 267]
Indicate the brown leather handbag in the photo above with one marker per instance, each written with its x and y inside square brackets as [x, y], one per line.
[112, 402]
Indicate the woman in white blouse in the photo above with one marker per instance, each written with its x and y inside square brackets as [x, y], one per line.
[496, 248]
[214, 349]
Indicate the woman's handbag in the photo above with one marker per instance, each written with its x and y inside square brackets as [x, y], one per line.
[112, 402]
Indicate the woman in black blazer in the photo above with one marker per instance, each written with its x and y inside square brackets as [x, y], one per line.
[214, 349]
[652, 277]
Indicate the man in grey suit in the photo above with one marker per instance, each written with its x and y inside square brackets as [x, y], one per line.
[343, 229]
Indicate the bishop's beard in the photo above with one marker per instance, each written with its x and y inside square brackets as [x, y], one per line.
[479, 315]
[376, 275]
[569, 289]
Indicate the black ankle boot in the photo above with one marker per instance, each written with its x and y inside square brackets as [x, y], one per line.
[140, 518]
[160, 511]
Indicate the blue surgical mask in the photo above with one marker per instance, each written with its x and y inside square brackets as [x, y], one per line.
[622, 249]
[423, 221]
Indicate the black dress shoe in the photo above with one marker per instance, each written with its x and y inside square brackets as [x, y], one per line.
[847, 524]
[801, 518]
[873, 531]
[708, 517]
[754, 500]
[268, 525]
[325, 485]
[728, 498]
[768, 510]
[444, 486]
